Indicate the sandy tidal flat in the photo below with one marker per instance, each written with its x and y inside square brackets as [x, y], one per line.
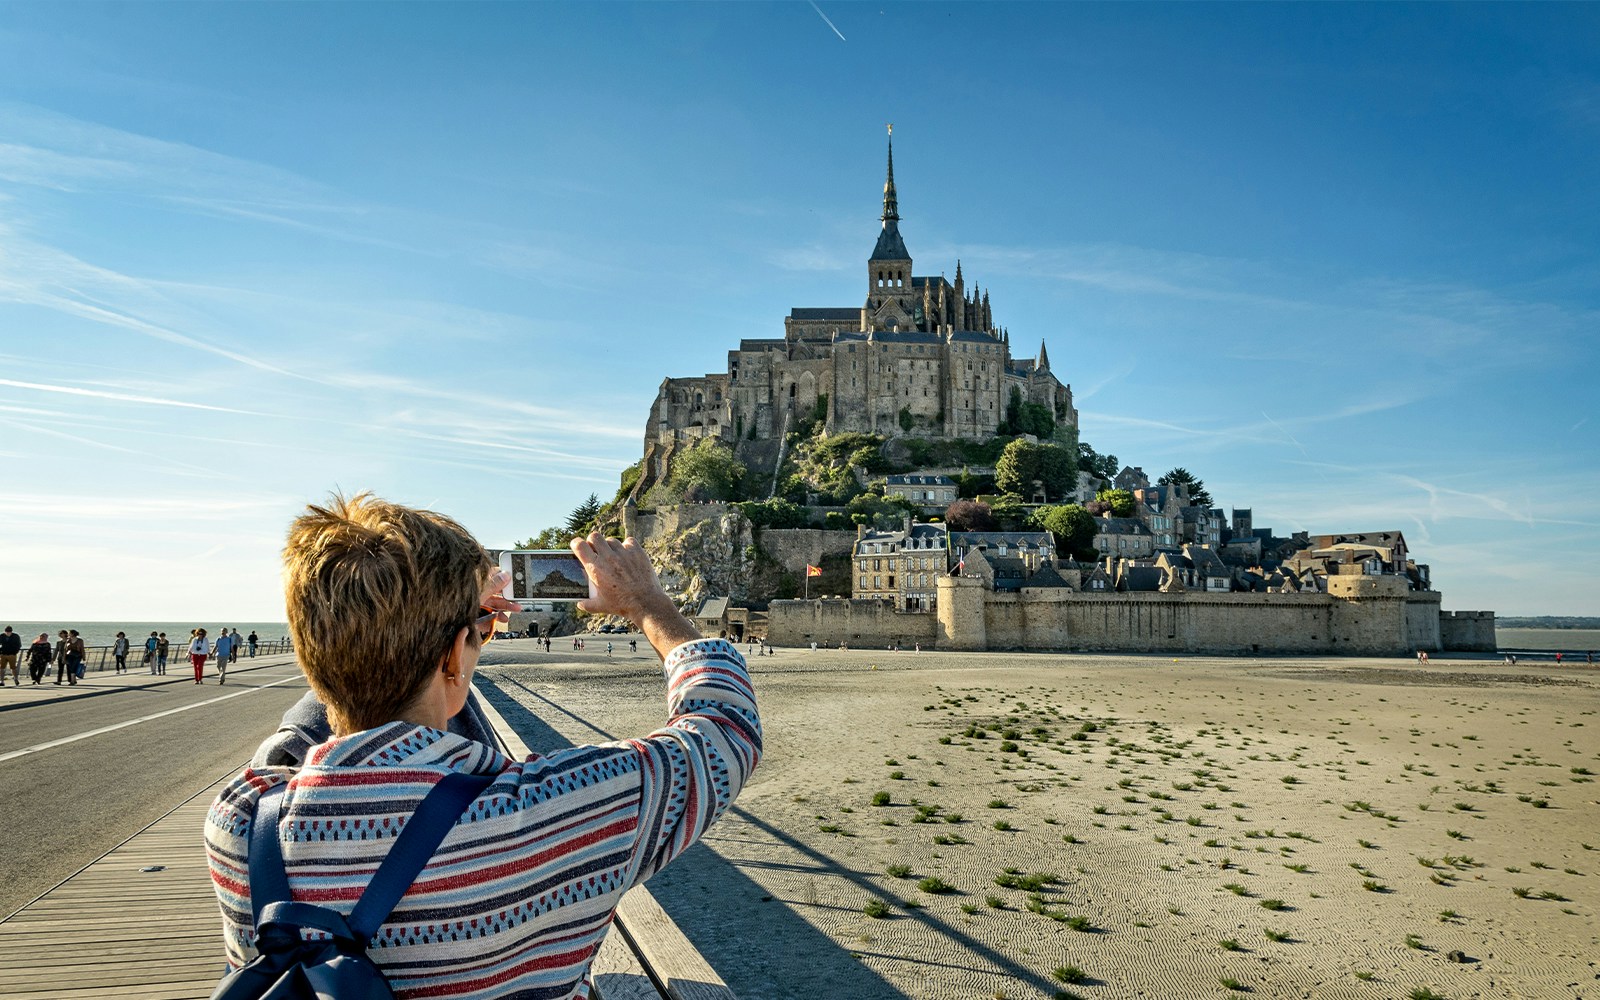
[1023, 826]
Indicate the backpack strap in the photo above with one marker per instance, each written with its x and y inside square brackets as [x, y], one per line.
[423, 833]
[268, 881]
[432, 821]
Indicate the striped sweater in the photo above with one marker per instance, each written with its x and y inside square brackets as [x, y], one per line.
[516, 900]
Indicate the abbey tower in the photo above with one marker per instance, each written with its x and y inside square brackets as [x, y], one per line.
[921, 357]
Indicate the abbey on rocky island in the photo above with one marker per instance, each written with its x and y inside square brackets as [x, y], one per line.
[922, 357]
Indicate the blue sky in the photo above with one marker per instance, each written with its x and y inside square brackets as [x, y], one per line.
[1340, 261]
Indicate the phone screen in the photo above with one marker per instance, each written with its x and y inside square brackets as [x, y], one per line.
[545, 575]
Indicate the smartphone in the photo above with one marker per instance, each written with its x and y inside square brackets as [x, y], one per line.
[545, 575]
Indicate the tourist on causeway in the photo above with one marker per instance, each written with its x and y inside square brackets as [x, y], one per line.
[389, 607]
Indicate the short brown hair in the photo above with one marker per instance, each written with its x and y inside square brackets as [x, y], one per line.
[376, 593]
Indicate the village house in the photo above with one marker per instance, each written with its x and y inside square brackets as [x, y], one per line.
[1195, 567]
[1124, 536]
[1033, 548]
[900, 566]
[1161, 510]
[1131, 478]
[1201, 526]
[929, 492]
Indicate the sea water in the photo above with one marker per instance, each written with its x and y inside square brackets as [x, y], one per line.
[105, 633]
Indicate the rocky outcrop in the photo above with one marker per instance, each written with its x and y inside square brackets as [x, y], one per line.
[717, 556]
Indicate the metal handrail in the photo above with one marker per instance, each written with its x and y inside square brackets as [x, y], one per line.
[103, 658]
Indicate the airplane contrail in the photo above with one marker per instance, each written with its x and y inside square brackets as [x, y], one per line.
[825, 20]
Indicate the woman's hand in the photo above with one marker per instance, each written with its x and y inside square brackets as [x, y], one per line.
[494, 599]
[624, 583]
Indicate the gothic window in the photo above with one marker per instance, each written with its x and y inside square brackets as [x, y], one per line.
[791, 390]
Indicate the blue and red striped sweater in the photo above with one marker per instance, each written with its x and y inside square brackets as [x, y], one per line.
[516, 900]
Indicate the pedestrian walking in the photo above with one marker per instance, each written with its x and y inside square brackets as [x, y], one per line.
[253, 640]
[119, 649]
[76, 653]
[233, 651]
[223, 651]
[199, 649]
[62, 641]
[39, 657]
[10, 649]
[162, 648]
[150, 645]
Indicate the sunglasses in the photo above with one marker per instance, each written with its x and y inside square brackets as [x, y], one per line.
[486, 625]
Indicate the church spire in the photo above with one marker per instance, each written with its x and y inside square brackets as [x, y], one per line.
[890, 245]
[891, 206]
[1044, 358]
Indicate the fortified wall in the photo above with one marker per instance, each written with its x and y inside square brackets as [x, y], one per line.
[1468, 631]
[1372, 616]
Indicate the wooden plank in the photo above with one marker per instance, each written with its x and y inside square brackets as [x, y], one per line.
[617, 974]
[677, 967]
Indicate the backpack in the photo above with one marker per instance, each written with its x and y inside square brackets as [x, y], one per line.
[288, 967]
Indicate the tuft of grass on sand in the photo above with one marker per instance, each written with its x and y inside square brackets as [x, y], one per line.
[1070, 974]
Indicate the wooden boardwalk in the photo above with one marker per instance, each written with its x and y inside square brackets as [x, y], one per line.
[142, 923]
[117, 930]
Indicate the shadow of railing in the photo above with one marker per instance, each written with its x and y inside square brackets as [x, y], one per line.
[753, 939]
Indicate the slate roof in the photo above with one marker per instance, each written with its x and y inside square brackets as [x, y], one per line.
[1139, 578]
[1046, 577]
[713, 608]
[1040, 540]
[920, 481]
[904, 337]
[1122, 526]
[1206, 562]
[1383, 539]
[763, 344]
[973, 336]
[928, 538]
[829, 313]
[890, 246]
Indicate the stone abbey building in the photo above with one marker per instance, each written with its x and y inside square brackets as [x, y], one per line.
[921, 357]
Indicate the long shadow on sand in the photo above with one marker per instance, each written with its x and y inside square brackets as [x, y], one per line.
[759, 944]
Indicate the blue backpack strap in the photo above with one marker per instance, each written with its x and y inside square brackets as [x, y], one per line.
[268, 881]
[423, 833]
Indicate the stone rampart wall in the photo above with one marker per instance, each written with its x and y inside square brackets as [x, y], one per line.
[1052, 619]
[1467, 631]
[867, 624]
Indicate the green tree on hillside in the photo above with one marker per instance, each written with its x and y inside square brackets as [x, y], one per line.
[1089, 460]
[1198, 494]
[1118, 502]
[581, 520]
[1023, 462]
[1008, 512]
[1073, 527]
[706, 472]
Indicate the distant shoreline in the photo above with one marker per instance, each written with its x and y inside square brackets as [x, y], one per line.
[104, 633]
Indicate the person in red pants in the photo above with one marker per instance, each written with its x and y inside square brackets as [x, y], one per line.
[199, 649]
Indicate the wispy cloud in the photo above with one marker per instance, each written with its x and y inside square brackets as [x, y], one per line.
[121, 397]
